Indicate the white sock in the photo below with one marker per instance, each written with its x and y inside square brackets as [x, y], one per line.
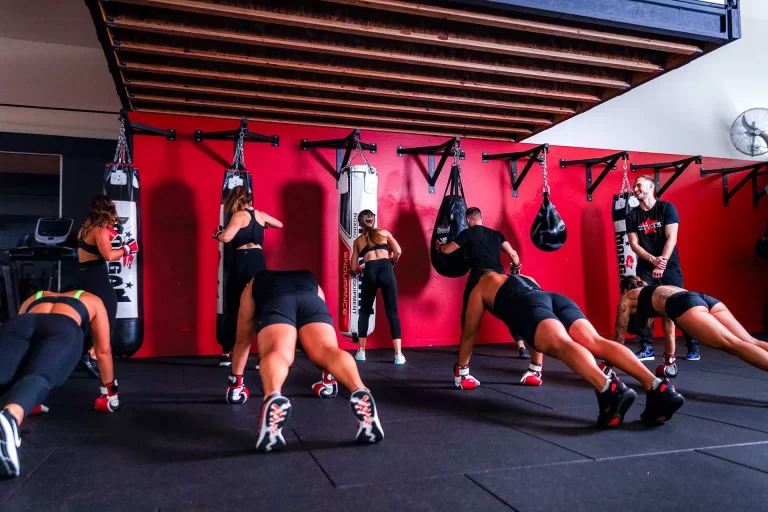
[607, 385]
[656, 383]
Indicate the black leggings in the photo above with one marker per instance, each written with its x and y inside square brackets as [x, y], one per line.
[93, 277]
[379, 274]
[39, 352]
[245, 264]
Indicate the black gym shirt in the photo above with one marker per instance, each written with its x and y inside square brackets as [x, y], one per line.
[651, 233]
[483, 247]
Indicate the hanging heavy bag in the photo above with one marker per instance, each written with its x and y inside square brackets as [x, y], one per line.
[121, 184]
[548, 231]
[451, 220]
[623, 204]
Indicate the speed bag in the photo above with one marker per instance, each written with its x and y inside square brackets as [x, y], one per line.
[548, 232]
[121, 185]
[358, 191]
[232, 179]
[626, 258]
[451, 220]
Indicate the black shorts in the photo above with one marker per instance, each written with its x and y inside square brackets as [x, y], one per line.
[296, 309]
[681, 302]
[523, 312]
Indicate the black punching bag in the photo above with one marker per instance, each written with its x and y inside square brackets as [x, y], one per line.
[451, 220]
[548, 232]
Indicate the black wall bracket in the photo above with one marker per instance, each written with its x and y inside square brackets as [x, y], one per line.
[447, 148]
[609, 162]
[679, 166]
[132, 129]
[234, 135]
[533, 155]
[754, 172]
[343, 147]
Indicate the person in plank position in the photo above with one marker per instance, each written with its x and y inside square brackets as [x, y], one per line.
[553, 324]
[280, 307]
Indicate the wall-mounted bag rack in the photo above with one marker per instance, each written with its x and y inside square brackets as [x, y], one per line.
[343, 148]
[608, 161]
[234, 135]
[533, 155]
[445, 149]
[679, 166]
[132, 129]
[754, 172]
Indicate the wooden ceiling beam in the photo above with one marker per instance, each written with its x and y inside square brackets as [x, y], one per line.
[432, 81]
[240, 93]
[123, 22]
[369, 126]
[400, 34]
[341, 88]
[550, 29]
[318, 113]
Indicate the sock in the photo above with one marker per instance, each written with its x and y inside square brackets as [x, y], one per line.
[607, 385]
[656, 383]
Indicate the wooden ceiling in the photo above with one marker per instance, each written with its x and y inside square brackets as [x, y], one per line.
[412, 66]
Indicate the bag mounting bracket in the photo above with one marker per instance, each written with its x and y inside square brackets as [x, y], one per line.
[609, 162]
[679, 166]
[450, 146]
[344, 148]
[533, 155]
[754, 172]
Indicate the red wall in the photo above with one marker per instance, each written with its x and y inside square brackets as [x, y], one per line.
[181, 184]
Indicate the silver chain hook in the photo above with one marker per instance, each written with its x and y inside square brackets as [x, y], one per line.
[358, 149]
[239, 158]
[545, 188]
[122, 155]
[625, 187]
[457, 156]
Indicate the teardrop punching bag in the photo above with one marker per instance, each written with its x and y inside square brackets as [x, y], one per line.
[233, 177]
[121, 185]
[451, 220]
[358, 191]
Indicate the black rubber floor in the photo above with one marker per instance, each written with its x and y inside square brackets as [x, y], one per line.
[176, 445]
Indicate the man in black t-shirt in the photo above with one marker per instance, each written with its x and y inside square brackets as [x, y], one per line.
[483, 247]
[652, 232]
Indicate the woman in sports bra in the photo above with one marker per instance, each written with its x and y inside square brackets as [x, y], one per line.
[374, 246]
[702, 317]
[40, 348]
[245, 232]
[94, 250]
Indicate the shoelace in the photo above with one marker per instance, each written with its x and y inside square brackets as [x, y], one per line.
[363, 406]
[276, 415]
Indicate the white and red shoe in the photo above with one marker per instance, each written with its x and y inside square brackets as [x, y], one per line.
[369, 429]
[462, 379]
[274, 413]
[532, 376]
[328, 387]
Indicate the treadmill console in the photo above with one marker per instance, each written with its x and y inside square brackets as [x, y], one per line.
[52, 230]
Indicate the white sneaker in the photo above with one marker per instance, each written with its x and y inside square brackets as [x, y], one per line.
[9, 444]
[399, 358]
[360, 356]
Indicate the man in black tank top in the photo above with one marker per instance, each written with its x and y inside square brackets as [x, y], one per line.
[483, 247]
[278, 307]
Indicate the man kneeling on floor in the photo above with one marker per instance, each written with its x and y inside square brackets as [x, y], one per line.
[553, 324]
[286, 305]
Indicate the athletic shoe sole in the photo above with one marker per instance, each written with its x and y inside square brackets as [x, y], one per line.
[694, 358]
[228, 363]
[666, 412]
[364, 409]
[626, 400]
[646, 358]
[274, 414]
[9, 455]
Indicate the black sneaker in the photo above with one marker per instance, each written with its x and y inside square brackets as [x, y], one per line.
[693, 351]
[524, 353]
[614, 403]
[645, 353]
[661, 403]
[9, 444]
[274, 413]
[226, 359]
[369, 428]
[91, 365]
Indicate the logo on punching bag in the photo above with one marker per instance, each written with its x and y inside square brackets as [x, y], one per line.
[115, 268]
[630, 262]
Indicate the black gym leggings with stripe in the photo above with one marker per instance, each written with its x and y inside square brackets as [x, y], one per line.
[93, 277]
[379, 274]
[39, 352]
[245, 264]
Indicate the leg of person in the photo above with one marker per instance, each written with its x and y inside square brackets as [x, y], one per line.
[472, 280]
[322, 348]
[662, 400]
[277, 347]
[367, 296]
[388, 284]
[532, 376]
[726, 318]
[644, 334]
[674, 277]
[706, 328]
[255, 263]
[461, 377]
[236, 281]
[614, 398]
[14, 345]
[93, 277]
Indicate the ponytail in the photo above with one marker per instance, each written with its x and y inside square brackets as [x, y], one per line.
[367, 221]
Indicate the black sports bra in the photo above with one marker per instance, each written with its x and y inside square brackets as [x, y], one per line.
[90, 249]
[645, 307]
[253, 233]
[73, 302]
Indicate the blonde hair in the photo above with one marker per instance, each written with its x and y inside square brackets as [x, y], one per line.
[367, 221]
[103, 214]
[646, 178]
[237, 200]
